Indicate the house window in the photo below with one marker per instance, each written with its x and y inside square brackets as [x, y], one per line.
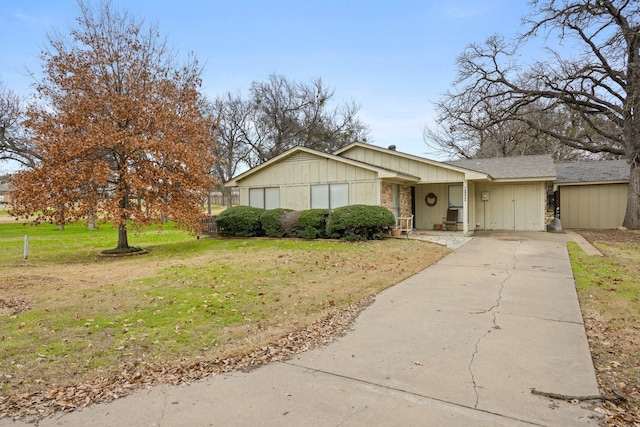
[329, 196]
[265, 198]
[455, 199]
[455, 196]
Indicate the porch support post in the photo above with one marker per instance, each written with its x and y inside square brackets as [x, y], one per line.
[465, 206]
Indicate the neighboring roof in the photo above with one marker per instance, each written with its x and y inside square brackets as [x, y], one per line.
[383, 172]
[4, 186]
[595, 171]
[520, 167]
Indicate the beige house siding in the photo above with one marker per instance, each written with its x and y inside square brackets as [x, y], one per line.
[427, 172]
[301, 168]
[364, 193]
[593, 205]
[295, 174]
[509, 207]
[427, 216]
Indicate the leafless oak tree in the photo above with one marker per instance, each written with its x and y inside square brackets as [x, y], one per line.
[278, 115]
[14, 142]
[585, 94]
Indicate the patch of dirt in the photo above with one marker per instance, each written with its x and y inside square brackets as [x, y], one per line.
[611, 236]
[36, 280]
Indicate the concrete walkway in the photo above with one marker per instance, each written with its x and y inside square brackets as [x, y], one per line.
[460, 344]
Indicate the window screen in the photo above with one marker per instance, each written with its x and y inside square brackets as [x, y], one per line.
[329, 196]
[272, 198]
[320, 196]
[338, 195]
[455, 196]
[265, 198]
[256, 197]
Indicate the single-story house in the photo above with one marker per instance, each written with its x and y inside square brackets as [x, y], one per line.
[592, 194]
[5, 193]
[489, 194]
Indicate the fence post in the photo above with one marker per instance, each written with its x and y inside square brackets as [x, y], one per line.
[26, 246]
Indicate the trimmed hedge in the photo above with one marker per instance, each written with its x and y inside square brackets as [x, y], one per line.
[312, 224]
[240, 221]
[271, 222]
[355, 222]
[360, 222]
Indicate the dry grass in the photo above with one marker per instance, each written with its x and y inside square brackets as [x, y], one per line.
[609, 293]
[68, 323]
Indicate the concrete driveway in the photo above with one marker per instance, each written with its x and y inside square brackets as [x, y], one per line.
[460, 344]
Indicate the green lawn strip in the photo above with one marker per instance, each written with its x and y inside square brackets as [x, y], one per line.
[76, 243]
[612, 280]
[609, 293]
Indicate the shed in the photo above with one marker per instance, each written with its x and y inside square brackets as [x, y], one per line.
[592, 194]
[5, 192]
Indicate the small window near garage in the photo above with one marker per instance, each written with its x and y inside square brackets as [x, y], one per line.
[329, 196]
[455, 199]
[265, 198]
[455, 196]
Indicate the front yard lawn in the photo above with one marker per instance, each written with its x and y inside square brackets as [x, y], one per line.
[76, 329]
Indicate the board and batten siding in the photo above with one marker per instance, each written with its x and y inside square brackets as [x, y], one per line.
[512, 207]
[295, 174]
[593, 205]
[428, 173]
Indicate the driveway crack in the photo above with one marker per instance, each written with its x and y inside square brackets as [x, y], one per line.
[492, 310]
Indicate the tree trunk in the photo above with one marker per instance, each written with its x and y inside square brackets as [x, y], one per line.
[632, 217]
[123, 242]
[91, 221]
[60, 217]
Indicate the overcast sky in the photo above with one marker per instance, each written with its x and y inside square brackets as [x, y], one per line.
[393, 58]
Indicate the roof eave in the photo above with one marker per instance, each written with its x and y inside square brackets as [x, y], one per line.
[469, 173]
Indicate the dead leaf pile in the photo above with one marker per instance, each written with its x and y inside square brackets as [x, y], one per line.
[135, 376]
[613, 359]
[13, 306]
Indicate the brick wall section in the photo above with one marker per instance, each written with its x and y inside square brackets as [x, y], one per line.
[405, 200]
[386, 198]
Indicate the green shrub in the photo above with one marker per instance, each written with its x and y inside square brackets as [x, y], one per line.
[271, 222]
[312, 224]
[240, 221]
[360, 222]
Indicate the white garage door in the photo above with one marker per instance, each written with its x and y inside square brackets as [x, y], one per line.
[517, 207]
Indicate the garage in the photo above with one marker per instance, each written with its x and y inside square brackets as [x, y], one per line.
[592, 194]
[517, 207]
[593, 205]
